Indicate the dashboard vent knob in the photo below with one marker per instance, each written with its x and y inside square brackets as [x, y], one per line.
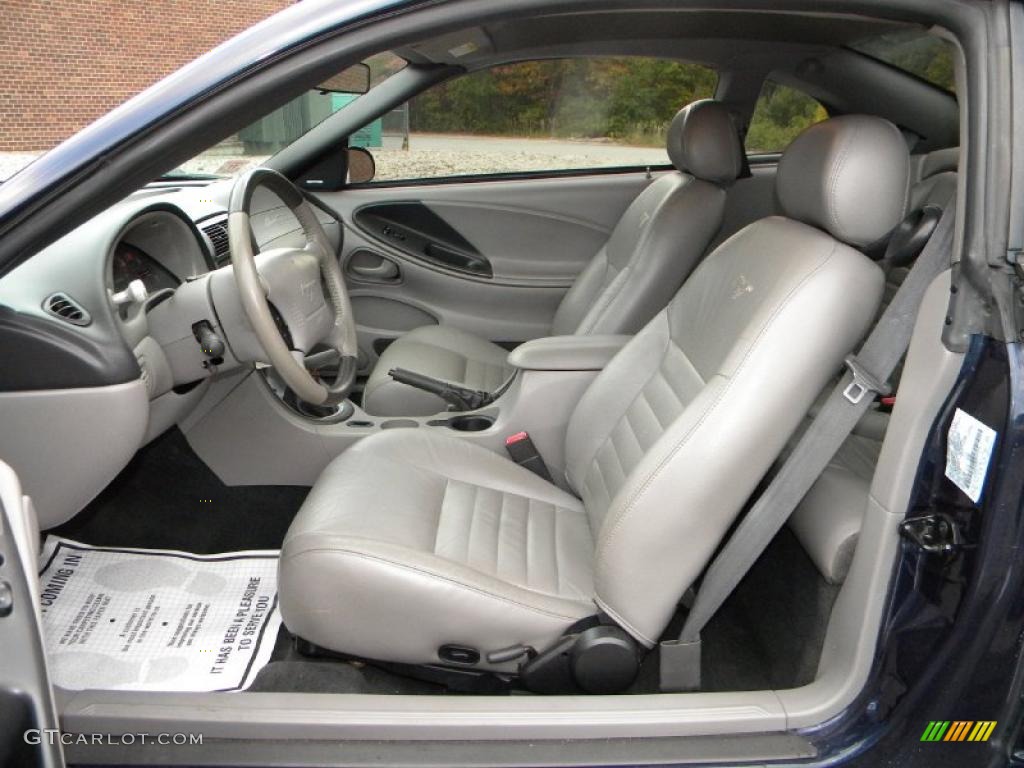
[66, 308]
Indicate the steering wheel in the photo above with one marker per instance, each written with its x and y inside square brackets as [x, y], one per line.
[282, 292]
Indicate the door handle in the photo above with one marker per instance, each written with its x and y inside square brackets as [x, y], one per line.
[453, 259]
[386, 270]
[373, 267]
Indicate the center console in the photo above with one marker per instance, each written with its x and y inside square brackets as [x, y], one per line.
[287, 442]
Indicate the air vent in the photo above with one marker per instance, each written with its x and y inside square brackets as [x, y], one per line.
[217, 233]
[63, 306]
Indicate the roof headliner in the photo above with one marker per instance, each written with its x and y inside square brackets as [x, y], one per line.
[707, 36]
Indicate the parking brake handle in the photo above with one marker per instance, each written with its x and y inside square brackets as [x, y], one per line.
[459, 398]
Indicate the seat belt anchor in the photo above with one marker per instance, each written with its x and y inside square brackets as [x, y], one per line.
[523, 452]
[863, 382]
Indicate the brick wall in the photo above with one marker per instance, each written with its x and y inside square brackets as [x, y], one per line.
[63, 63]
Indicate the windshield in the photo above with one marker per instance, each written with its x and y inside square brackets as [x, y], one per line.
[267, 136]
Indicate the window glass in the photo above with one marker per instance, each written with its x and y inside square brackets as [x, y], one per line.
[252, 145]
[926, 56]
[551, 115]
[780, 114]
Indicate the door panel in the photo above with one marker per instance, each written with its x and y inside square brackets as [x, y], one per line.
[424, 296]
[419, 232]
[370, 266]
[26, 699]
[388, 316]
[530, 237]
[518, 241]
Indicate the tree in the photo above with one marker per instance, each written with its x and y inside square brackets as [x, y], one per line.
[589, 98]
[632, 100]
[780, 115]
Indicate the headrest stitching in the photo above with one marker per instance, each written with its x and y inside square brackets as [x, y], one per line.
[833, 209]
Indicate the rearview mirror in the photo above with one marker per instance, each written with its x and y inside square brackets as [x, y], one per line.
[361, 166]
[355, 79]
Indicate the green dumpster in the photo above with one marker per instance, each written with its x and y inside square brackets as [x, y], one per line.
[281, 127]
[369, 135]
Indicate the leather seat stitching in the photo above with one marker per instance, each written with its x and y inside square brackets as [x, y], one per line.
[624, 623]
[440, 514]
[554, 546]
[834, 179]
[612, 292]
[593, 460]
[472, 523]
[631, 503]
[526, 544]
[503, 500]
[439, 577]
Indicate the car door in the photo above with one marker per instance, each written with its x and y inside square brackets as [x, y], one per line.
[495, 189]
[28, 719]
[493, 257]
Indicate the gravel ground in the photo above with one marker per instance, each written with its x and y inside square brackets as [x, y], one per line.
[435, 155]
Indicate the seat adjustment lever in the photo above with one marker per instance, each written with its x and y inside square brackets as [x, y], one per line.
[510, 654]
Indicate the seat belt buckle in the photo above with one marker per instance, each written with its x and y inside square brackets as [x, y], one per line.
[523, 452]
[864, 382]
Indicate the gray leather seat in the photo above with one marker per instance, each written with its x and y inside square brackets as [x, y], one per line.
[828, 520]
[414, 539]
[654, 246]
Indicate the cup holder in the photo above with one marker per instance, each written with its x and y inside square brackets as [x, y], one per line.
[399, 424]
[471, 423]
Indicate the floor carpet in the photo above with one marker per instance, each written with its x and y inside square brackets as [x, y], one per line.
[167, 498]
[768, 634]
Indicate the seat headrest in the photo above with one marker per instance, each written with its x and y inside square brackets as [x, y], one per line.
[849, 176]
[702, 140]
[940, 161]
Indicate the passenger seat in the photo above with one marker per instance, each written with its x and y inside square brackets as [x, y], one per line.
[828, 520]
[655, 245]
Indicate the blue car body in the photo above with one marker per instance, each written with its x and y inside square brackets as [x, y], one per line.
[951, 641]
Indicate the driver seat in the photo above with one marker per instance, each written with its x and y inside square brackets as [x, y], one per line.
[414, 542]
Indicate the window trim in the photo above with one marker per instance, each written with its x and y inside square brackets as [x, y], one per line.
[538, 173]
[478, 178]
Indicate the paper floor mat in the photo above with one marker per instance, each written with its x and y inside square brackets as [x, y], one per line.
[156, 620]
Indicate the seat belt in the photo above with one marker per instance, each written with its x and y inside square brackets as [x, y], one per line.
[868, 371]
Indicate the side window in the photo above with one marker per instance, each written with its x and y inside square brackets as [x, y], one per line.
[919, 53]
[538, 116]
[780, 114]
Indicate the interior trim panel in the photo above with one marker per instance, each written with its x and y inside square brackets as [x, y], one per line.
[415, 230]
[61, 357]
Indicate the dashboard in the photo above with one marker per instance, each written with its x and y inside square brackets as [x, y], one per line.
[67, 296]
[106, 335]
[130, 263]
[121, 297]
[162, 247]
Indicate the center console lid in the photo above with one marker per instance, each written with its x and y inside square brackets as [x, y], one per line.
[567, 353]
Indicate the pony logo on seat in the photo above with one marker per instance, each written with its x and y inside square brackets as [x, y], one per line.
[741, 287]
